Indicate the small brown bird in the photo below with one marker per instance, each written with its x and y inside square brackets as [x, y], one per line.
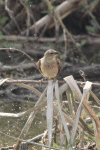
[49, 65]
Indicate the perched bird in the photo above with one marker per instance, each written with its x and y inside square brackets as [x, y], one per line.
[49, 65]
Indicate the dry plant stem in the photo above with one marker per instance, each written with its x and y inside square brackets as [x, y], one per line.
[86, 106]
[65, 40]
[83, 113]
[89, 12]
[82, 124]
[73, 102]
[4, 31]
[82, 139]
[85, 127]
[94, 4]
[44, 136]
[68, 119]
[28, 16]
[39, 137]
[23, 133]
[64, 27]
[16, 115]
[56, 28]
[82, 74]
[69, 102]
[29, 88]
[94, 18]
[94, 57]
[61, 89]
[91, 7]
[42, 32]
[95, 97]
[30, 119]
[61, 129]
[55, 129]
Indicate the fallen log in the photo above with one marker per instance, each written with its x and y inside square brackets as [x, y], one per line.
[92, 72]
[78, 38]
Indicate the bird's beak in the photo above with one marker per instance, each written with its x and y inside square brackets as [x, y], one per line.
[57, 52]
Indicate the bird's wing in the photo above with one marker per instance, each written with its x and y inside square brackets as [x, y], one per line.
[39, 65]
[59, 65]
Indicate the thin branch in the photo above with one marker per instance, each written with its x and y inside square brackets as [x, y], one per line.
[45, 82]
[28, 17]
[89, 12]
[13, 49]
[10, 12]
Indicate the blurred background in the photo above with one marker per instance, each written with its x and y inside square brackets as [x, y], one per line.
[71, 27]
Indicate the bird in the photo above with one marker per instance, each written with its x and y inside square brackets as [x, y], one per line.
[49, 65]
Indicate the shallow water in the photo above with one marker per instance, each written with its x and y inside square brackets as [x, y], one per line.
[13, 126]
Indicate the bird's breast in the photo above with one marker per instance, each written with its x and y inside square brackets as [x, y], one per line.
[49, 69]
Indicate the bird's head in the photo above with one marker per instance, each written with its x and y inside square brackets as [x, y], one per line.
[51, 54]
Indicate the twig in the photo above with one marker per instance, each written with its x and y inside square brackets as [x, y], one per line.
[28, 17]
[89, 12]
[11, 15]
[65, 40]
[46, 82]
[83, 75]
[42, 33]
[91, 7]
[56, 28]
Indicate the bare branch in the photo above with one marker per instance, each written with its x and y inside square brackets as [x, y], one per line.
[10, 12]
